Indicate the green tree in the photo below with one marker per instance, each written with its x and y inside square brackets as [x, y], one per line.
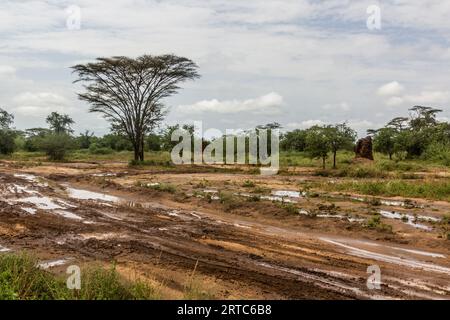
[60, 123]
[294, 140]
[130, 92]
[7, 135]
[154, 142]
[339, 137]
[317, 143]
[6, 119]
[85, 139]
[384, 141]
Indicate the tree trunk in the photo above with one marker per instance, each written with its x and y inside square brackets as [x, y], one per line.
[136, 152]
[390, 156]
[141, 154]
[334, 160]
[323, 162]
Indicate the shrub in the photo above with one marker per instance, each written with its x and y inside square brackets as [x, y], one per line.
[56, 146]
[163, 187]
[7, 141]
[96, 149]
[248, 184]
[438, 152]
[376, 224]
[290, 208]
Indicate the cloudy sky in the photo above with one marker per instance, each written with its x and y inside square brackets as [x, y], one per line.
[297, 62]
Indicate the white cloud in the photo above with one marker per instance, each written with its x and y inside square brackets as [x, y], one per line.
[343, 106]
[429, 97]
[269, 104]
[424, 97]
[312, 53]
[7, 70]
[304, 124]
[395, 101]
[39, 104]
[390, 89]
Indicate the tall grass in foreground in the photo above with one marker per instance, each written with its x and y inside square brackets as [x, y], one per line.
[436, 190]
[21, 279]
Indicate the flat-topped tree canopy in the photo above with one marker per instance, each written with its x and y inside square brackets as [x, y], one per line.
[129, 92]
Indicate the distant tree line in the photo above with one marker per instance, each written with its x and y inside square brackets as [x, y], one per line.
[418, 136]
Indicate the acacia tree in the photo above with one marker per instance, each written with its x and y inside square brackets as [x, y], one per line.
[129, 92]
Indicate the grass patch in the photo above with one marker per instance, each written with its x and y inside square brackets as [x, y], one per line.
[162, 187]
[435, 190]
[21, 279]
[248, 184]
[289, 208]
[375, 223]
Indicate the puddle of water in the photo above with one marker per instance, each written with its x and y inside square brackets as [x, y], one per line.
[68, 214]
[104, 175]
[41, 202]
[111, 216]
[288, 194]
[408, 219]
[389, 259]
[390, 203]
[25, 176]
[173, 213]
[30, 178]
[29, 210]
[53, 263]
[331, 216]
[89, 195]
[241, 226]
[195, 215]
[4, 249]
[270, 198]
[323, 282]
[210, 191]
[100, 236]
[418, 252]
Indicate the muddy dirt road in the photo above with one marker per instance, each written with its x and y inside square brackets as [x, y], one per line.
[81, 215]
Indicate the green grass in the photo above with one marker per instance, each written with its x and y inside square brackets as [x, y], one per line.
[429, 189]
[21, 279]
[382, 167]
[162, 187]
[248, 184]
[376, 224]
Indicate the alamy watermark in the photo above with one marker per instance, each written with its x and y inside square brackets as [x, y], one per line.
[74, 280]
[374, 20]
[73, 21]
[252, 147]
[374, 279]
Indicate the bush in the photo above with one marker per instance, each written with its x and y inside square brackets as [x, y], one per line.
[376, 224]
[7, 143]
[438, 152]
[248, 184]
[56, 146]
[96, 149]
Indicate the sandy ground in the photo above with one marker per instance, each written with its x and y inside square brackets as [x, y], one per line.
[99, 213]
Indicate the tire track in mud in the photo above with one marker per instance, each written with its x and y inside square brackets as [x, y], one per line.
[144, 230]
